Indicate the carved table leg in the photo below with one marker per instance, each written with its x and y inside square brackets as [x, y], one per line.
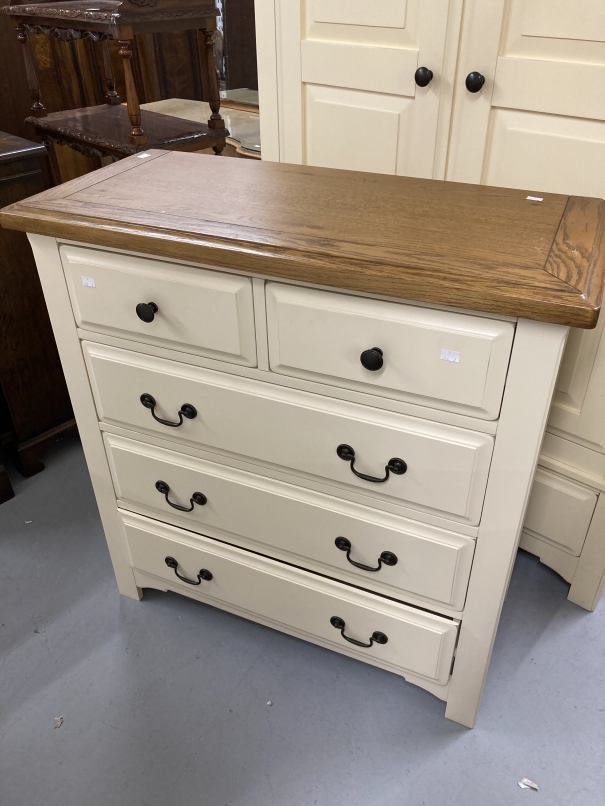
[210, 84]
[112, 98]
[38, 108]
[55, 170]
[137, 137]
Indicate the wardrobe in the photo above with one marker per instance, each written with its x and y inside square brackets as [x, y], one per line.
[508, 93]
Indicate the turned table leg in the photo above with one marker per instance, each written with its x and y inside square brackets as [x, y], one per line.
[137, 136]
[210, 83]
[112, 98]
[38, 108]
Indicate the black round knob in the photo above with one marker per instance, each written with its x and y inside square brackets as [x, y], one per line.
[337, 622]
[199, 499]
[388, 558]
[207, 576]
[146, 311]
[423, 76]
[372, 359]
[474, 82]
[188, 411]
[379, 637]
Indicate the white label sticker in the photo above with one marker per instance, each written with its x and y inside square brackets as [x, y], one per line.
[533, 198]
[142, 156]
[90, 281]
[450, 355]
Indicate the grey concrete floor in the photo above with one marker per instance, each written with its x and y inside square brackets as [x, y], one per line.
[165, 700]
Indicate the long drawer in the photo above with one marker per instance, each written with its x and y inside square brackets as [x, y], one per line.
[441, 359]
[294, 600]
[445, 467]
[295, 525]
[208, 313]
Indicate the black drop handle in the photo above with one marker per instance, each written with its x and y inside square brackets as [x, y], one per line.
[146, 311]
[187, 410]
[377, 637]
[387, 557]
[474, 82]
[423, 76]
[203, 574]
[372, 359]
[197, 498]
[395, 465]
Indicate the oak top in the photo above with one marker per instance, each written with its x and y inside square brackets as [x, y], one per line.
[467, 246]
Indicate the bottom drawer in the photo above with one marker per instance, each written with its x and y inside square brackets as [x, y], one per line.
[295, 601]
[559, 511]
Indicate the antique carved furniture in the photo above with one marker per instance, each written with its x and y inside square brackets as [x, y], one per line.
[35, 408]
[110, 129]
[241, 120]
[317, 400]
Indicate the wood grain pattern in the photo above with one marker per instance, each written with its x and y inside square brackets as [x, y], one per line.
[468, 246]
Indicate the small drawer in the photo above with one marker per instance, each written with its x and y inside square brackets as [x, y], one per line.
[435, 358]
[207, 313]
[559, 511]
[401, 459]
[293, 600]
[298, 526]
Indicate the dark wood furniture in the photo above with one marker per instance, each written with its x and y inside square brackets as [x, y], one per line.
[240, 44]
[35, 408]
[113, 130]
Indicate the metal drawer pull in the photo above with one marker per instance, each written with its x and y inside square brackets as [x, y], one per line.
[387, 557]
[146, 311]
[336, 621]
[197, 498]
[186, 410]
[397, 466]
[203, 574]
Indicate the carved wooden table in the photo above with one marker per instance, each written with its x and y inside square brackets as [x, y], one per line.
[34, 404]
[112, 130]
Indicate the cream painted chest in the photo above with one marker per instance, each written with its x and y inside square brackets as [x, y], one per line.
[316, 399]
[498, 92]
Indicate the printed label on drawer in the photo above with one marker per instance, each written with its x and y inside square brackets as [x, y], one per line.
[450, 355]
[90, 281]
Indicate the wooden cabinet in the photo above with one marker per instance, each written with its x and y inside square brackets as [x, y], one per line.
[34, 403]
[537, 122]
[379, 519]
[346, 83]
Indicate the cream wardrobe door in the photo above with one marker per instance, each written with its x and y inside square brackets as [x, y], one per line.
[345, 83]
[539, 120]
[538, 123]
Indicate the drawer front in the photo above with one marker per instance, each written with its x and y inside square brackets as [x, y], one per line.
[207, 313]
[440, 359]
[559, 511]
[286, 597]
[447, 467]
[295, 525]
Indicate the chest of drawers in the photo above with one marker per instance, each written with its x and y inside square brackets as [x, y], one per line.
[321, 406]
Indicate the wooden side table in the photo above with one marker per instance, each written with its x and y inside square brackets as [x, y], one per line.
[35, 408]
[111, 129]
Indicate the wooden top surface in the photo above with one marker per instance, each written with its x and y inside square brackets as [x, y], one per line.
[468, 246]
[108, 13]
[13, 147]
[108, 128]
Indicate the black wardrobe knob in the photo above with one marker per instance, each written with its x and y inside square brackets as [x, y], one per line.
[423, 76]
[474, 82]
[146, 311]
[372, 359]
